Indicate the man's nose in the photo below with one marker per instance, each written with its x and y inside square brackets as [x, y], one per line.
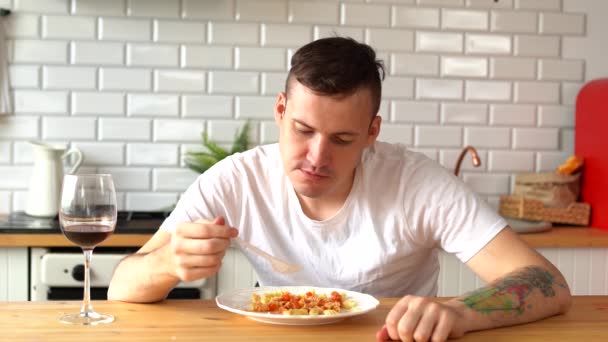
[319, 151]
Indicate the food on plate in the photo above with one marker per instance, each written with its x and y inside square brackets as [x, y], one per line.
[309, 303]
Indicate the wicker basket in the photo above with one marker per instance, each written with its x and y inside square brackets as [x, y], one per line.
[552, 189]
[532, 209]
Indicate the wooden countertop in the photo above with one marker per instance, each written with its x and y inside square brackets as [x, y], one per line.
[202, 320]
[58, 240]
[568, 237]
[556, 237]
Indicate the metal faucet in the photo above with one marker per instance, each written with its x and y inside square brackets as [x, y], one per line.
[474, 155]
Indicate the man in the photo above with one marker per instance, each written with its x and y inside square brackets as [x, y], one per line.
[352, 212]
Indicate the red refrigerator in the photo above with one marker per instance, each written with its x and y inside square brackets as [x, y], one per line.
[591, 142]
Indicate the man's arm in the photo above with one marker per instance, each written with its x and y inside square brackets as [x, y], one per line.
[194, 251]
[522, 287]
[141, 277]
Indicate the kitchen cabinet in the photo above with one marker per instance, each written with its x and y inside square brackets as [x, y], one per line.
[585, 271]
[235, 272]
[20, 257]
[13, 273]
[580, 253]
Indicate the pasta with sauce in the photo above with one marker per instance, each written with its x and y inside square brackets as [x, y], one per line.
[309, 303]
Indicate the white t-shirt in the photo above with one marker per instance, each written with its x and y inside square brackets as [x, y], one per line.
[383, 241]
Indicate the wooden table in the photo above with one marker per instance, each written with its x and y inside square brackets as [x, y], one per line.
[202, 320]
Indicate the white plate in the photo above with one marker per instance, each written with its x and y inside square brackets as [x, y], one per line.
[239, 300]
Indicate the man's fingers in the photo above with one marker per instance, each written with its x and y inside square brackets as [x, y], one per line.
[408, 323]
[218, 220]
[205, 231]
[196, 261]
[382, 335]
[394, 317]
[443, 328]
[192, 274]
[200, 246]
[446, 328]
[420, 319]
[424, 329]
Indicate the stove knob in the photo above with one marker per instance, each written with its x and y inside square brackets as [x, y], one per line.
[78, 272]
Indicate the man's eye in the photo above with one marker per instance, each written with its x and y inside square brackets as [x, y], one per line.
[303, 131]
[341, 141]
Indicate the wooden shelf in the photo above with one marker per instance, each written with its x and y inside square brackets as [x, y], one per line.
[556, 237]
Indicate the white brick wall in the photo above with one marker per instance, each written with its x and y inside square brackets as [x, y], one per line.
[98, 103]
[415, 17]
[94, 53]
[66, 27]
[40, 102]
[22, 25]
[464, 113]
[313, 12]
[5, 152]
[124, 79]
[134, 83]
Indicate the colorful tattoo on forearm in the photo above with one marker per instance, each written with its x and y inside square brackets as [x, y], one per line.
[509, 294]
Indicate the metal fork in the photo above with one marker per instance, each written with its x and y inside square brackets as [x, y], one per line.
[278, 265]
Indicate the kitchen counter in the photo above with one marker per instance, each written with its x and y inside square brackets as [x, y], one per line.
[556, 237]
[202, 320]
[568, 237]
[133, 229]
[59, 240]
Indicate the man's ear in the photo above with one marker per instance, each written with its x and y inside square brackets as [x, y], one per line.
[279, 107]
[374, 130]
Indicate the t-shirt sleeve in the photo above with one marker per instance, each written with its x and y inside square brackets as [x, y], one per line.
[208, 197]
[446, 213]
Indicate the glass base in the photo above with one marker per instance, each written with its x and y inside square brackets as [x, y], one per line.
[88, 318]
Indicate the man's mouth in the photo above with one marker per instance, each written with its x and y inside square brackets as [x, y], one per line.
[313, 175]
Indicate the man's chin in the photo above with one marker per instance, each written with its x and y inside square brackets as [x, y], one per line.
[308, 191]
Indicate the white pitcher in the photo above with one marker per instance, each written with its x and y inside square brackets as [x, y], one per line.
[47, 175]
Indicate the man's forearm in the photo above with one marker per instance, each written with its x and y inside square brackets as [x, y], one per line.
[523, 296]
[141, 278]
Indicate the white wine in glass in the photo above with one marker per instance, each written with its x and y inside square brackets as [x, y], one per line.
[87, 217]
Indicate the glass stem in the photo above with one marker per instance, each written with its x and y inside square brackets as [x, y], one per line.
[87, 308]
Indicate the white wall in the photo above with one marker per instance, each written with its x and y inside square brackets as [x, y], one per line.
[133, 82]
[593, 46]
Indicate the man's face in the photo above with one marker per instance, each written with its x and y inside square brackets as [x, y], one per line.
[322, 138]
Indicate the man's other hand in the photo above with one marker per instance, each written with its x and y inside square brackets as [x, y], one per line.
[420, 319]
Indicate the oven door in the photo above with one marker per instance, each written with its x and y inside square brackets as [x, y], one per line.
[58, 274]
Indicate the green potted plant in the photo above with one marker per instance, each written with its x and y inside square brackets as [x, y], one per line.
[202, 161]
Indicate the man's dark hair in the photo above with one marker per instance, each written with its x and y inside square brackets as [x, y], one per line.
[338, 66]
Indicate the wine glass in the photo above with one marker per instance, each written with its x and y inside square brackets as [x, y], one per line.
[87, 216]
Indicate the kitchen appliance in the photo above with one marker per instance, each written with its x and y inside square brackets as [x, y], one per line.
[591, 143]
[47, 174]
[58, 273]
